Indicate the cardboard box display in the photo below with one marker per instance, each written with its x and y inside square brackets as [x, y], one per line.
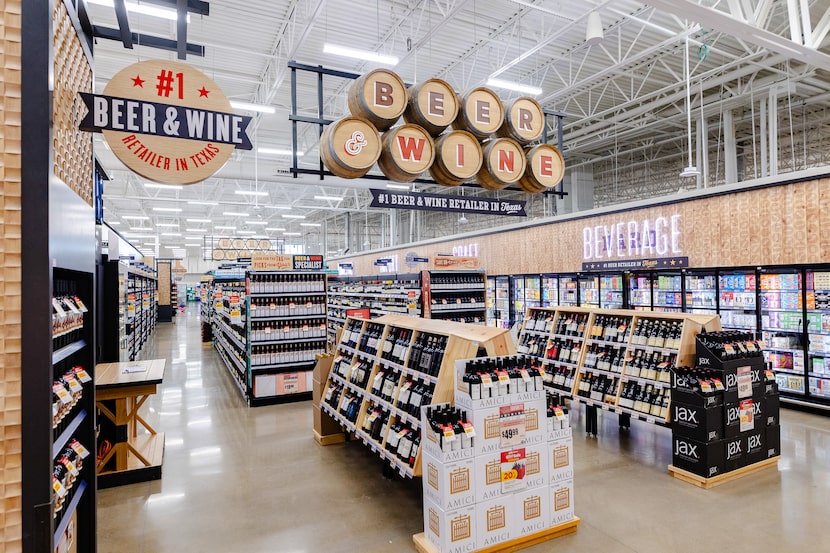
[323, 424]
[496, 521]
[773, 441]
[561, 497]
[463, 399]
[323, 367]
[532, 508]
[756, 445]
[732, 421]
[734, 452]
[559, 434]
[450, 530]
[705, 460]
[696, 422]
[691, 397]
[773, 410]
[486, 422]
[448, 485]
[560, 457]
[430, 445]
[488, 484]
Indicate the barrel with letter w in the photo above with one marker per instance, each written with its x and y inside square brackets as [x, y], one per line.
[379, 96]
[407, 151]
[524, 120]
[545, 169]
[458, 158]
[504, 163]
[431, 104]
[480, 112]
[349, 147]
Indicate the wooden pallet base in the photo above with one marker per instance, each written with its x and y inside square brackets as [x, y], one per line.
[424, 546]
[151, 447]
[329, 439]
[707, 483]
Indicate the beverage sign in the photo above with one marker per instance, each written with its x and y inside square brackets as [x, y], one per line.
[447, 203]
[167, 121]
[624, 239]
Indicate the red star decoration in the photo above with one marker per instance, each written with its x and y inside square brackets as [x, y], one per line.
[203, 92]
[138, 81]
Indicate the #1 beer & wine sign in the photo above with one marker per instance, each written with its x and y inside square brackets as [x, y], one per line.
[444, 202]
[167, 122]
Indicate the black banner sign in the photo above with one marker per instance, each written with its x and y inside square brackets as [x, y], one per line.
[111, 113]
[308, 262]
[637, 264]
[444, 202]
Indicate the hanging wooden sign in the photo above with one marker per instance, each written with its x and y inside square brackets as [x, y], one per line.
[167, 122]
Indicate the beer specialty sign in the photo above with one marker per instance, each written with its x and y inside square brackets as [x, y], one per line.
[446, 202]
[167, 121]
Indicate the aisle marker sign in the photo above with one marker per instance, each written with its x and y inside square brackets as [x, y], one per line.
[167, 121]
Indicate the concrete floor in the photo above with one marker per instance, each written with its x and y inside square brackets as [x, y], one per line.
[243, 480]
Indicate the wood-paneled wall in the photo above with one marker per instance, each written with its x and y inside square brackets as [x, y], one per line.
[778, 225]
[10, 278]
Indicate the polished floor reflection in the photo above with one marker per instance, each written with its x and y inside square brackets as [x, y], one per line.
[243, 480]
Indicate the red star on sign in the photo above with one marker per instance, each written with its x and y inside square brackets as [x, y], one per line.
[203, 92]
[138, 81]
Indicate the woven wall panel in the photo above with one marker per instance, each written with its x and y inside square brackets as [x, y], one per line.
[10, 278]
[781, 225]
[72, 147]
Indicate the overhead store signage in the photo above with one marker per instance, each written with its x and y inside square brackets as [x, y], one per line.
[267, 261]
[453, 262]
[444, 202]
[657, 237]
[167, 121]
[636, 264]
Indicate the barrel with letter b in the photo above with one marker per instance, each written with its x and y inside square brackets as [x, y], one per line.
[458, 158]
[379, 96]
[545, 169]
[481, 113]
[524, 120]
[407, 151]
[349, 147]
[432, 105]
[504, 163]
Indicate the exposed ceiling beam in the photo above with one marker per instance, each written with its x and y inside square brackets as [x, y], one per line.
[198, 7]
[123, 24]
[181, 29]
[148, 40]
[726, 23]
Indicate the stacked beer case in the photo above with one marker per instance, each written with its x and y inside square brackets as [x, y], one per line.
[504, 487]
[725, 430]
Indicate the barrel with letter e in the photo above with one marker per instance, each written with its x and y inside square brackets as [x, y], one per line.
[431, 104]
[545, 169]
[480, 112]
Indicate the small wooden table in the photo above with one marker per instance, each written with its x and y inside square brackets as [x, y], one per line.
[120, 391]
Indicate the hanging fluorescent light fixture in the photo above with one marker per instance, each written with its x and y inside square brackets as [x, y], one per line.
[330, 198]
[250, 192]
[393, 186]
[508, 85]
[136, 217]
[168, 225]
[162, 186]
[278, 206]
[359, 54]
[287, 216]
[263, 223]
[198, 220]
[247, 106]
[235, 214]
[277, 152]
[195, 202]
[310, 224]
[275, 229]
[292, 233]
[143, 9]
[168, 209]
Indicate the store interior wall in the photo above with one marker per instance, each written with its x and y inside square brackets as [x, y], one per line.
[10, 280]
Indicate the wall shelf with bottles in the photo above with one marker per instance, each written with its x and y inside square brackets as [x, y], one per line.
[385, 369]
[141, 309]
[615, 360]
[498, 301]
[269, 326]
[459, 296]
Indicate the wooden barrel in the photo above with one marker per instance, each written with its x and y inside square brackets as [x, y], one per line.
[458, 158]
[265, 244]
[218, 255]
[524, 120]
[545, 169]
[504, 163]
[349, 147]
[431, 104]
[480, 112]
[379, 96]
[238, 243]
[251, 243]
[407, 151]
[224, 243]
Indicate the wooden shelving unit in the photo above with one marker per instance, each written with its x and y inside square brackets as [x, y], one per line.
[462, 341]
[582, 337]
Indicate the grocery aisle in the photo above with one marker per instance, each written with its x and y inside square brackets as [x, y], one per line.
[253, 480]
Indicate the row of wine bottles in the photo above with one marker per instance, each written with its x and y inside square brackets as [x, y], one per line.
[289, 306]
[658, 333]
[67, 391]
[294, 329]
[65, 472]
[644, 398]
[731, 344]
[456, 281]
[654, 366]
[402, 439]
[487, 377]
[277, 354]
[294, 283]
[426, 354]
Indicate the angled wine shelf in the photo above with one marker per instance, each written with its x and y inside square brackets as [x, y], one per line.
[385, 369]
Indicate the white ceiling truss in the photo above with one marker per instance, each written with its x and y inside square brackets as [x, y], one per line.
[625, 99]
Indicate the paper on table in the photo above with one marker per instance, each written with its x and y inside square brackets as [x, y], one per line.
[134, 369]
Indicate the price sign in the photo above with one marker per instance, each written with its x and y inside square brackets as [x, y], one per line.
[513, 469]
[512, 425]
[744, 382]
[746, 415]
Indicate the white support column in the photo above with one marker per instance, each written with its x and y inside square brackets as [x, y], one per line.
[773, 131]
[393, 227]
[703, 153]
[764, 151]
[730, 150]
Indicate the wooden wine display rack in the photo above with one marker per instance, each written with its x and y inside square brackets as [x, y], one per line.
[463, 342]
[693, 324]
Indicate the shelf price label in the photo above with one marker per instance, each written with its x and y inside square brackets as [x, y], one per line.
[512, 425]
[744, 378]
